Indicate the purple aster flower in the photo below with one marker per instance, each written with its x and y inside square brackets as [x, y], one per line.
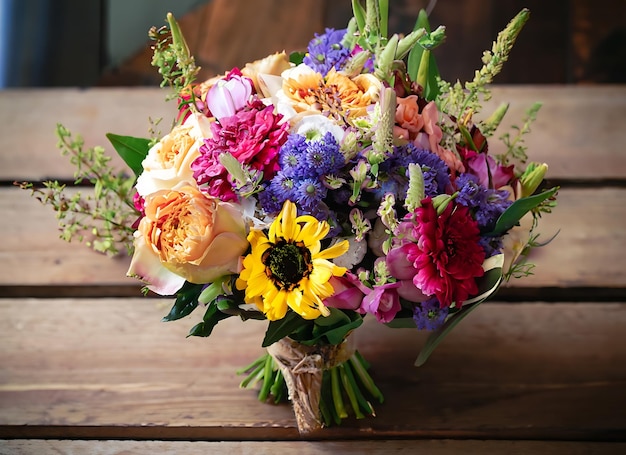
[283, 186]
[270, 202]
[486, 204]
[309, 193]
[291, 158]
[435, 171]
[491, 245]
[326, 51]
[428, 315]
[323, 156]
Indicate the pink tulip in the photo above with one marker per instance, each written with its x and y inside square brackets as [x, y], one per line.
[229, 95]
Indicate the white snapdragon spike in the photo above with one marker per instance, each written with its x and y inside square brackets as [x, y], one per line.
[168, 162]
[316, 126]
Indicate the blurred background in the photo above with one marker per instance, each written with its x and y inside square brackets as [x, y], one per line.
[48, 43]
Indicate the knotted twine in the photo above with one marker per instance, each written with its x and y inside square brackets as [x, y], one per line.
[303, 368]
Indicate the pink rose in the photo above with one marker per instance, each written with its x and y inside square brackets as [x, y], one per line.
[483, 166]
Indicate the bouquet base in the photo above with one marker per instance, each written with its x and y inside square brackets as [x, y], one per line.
[325, 383]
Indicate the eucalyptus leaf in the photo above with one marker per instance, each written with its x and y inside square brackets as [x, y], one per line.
[518, 209]
[186, 301]
[133, 150]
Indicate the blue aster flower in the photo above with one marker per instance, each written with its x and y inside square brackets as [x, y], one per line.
[428, 315]
[326, 51]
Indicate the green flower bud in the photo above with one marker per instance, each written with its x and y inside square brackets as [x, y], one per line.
[532, 178]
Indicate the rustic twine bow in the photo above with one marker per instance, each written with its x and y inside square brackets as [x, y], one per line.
[303, 368]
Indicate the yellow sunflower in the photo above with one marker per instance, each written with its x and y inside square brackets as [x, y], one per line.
[288, 268]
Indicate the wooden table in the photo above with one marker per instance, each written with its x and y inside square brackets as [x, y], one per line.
[86, 366]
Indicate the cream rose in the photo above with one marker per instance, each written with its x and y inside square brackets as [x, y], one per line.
[186, 235]
[272, 65]
[168, 162]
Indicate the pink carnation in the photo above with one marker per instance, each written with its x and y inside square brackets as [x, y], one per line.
[253, 136]
[446, 256]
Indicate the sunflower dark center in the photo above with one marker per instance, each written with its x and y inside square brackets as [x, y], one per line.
[287, 263]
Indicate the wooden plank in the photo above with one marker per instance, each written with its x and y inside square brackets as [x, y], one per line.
[108, 368]
[28, 121]
[588, 250]
[433, 447]
[576, 132]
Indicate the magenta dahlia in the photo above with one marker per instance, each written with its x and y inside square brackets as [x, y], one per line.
[445, 253]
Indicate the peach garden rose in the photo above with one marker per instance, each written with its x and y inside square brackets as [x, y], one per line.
[186, 235]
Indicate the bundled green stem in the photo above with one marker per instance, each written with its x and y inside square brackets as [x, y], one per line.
[347, 388]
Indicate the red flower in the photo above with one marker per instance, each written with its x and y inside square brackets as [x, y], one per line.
[447, 255]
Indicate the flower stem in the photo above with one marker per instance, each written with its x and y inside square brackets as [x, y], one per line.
[268, 377]
[363, 403]
[365, 378]
[348, 387]
[336, 391]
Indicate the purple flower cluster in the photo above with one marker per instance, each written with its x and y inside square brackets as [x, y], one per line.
[429, 315]
[304, 165]
[326, 51]
[434, 170]
[486, 204]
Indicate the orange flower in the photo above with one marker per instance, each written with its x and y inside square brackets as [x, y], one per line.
[189, 234]
[408, 119]
[306, 90]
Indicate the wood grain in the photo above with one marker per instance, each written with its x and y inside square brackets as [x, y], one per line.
[578, 130]
[109, 367]
[390, 447]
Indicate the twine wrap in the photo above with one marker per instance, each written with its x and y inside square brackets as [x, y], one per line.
[303, 368]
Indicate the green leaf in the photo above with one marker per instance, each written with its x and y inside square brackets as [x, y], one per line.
[186, 301]
[297, 57]
[487, 286]
[468, 138]
[211, 317]
[359, 14]
[332, 329]
[132, 150]
[277, 330]
[431, 88]
[518, 209]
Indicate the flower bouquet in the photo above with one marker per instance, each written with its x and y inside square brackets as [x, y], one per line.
[315, 189]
